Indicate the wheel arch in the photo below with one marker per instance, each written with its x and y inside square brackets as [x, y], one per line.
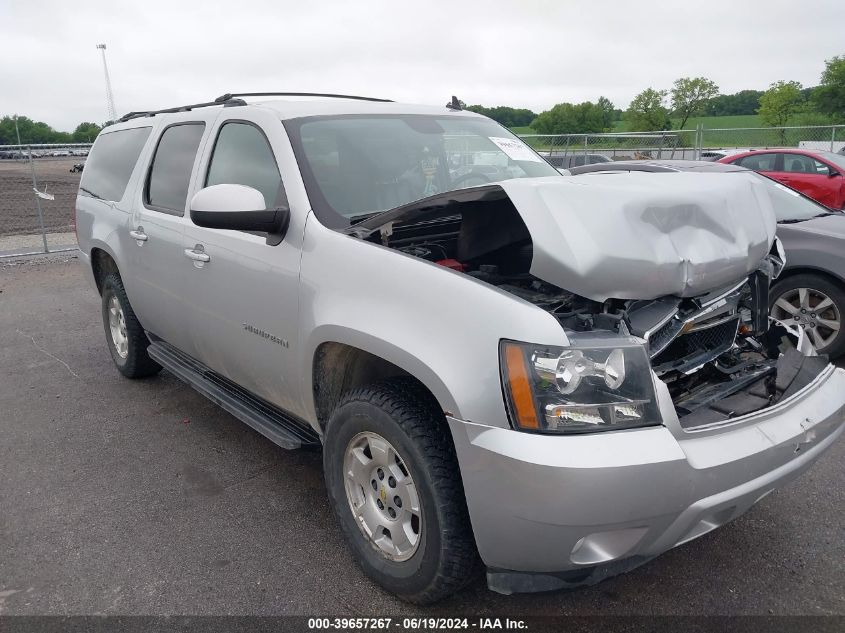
[102, 264]
[810, 270]
[339, 364]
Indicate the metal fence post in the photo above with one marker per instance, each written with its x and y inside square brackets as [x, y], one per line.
[832, 138]
[37, 199]
[699, 141]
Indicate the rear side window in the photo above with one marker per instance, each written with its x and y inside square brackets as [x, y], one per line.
[242, 156]
[800, 164]
[110, 164]
[759, 162]
[170, 172]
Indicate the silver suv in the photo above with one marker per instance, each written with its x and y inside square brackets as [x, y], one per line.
[559, 377]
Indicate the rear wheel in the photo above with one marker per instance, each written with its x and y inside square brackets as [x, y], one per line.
[125, 337]
[815, 304]
[394, 482]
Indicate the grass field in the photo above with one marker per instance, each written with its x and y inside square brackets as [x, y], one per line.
[710, 122]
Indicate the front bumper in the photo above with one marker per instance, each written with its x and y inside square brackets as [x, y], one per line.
[551, 512]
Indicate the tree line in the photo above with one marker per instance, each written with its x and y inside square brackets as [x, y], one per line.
[785, 102]
[34, 132]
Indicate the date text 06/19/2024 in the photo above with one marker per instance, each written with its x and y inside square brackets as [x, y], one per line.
[411, 624]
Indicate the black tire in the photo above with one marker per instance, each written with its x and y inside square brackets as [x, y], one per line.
[402, 412]
[137, 363]
[835, 291]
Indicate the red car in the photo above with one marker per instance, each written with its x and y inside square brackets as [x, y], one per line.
[816, 174]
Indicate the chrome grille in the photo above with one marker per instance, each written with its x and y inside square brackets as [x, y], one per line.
[697, 347]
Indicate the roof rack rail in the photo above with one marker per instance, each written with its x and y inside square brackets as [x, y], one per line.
[231, 99]
[231, 95]
[184, 108]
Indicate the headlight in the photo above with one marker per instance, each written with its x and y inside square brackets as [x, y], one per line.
[597, 384]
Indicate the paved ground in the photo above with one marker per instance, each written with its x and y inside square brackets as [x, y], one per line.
[141, 497]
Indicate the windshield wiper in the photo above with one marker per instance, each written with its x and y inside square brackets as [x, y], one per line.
[91, 193]
[360, 217]
[813, 217]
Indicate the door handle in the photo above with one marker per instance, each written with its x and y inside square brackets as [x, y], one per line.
[138, 234]
[197, 254]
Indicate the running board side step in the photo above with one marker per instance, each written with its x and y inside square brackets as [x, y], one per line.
[273, 423]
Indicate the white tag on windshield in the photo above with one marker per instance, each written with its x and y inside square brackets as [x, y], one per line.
[515, 149]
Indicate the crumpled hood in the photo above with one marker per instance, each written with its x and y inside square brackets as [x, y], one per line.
[642, 235]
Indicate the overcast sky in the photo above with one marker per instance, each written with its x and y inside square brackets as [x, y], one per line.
[524, 53]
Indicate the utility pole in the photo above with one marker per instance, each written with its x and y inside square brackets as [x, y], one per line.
[109, 94]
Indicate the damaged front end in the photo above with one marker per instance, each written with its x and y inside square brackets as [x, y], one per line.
[720, 354]
[684, 274]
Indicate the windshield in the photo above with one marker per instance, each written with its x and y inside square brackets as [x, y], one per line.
[789, 205]
[355, 166]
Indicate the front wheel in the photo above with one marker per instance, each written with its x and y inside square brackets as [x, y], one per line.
[394, 482]
[815, 304]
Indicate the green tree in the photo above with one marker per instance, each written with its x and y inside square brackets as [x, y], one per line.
[689, 95]
[742, 102]
[647, 112]
[7, 131]
[86, 132]
[780, 102]
[506, 115]
[829, 97]
[30, 131]
[568, 118]
[609, 112]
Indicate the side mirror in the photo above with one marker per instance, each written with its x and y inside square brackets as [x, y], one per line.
[238, 208]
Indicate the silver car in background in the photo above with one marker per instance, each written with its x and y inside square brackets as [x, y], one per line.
[561, 377]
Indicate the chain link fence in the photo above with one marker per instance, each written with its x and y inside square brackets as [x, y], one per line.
[38, 185]
[572, 150]
[819, 138]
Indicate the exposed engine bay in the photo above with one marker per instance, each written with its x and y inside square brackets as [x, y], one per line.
[716, 351]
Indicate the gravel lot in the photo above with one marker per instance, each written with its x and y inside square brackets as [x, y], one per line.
[141, 497]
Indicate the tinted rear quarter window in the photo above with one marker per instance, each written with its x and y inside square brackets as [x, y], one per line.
[170, 173]
[111, 161]
[759, 162]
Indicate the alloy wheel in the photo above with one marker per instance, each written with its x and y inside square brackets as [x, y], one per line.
[382, 496]
[117, 327]
[813, 311]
